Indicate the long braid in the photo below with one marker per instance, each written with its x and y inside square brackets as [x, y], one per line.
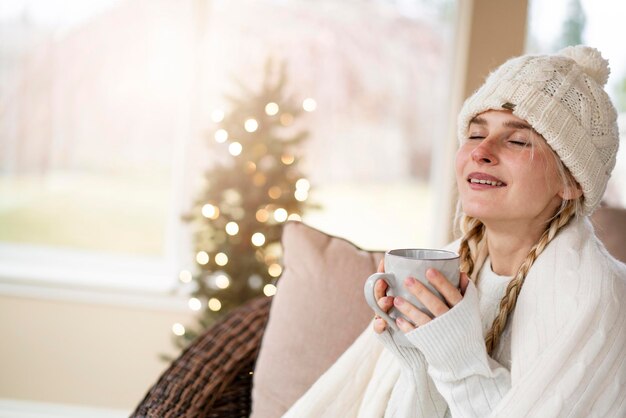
[473, 233]
[507, 304]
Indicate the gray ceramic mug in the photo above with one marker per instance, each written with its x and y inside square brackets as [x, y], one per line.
[403, 263]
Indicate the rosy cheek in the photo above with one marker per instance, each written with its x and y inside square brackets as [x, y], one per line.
[462, 157]
[458, 168]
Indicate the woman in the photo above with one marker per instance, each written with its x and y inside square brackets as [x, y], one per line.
[538, 326]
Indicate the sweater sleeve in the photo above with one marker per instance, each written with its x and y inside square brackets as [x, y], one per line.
[414, 394]
[471, 382]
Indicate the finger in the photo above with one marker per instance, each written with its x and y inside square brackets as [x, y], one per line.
[432, 302]
[416, 316]
[380, 289]
[381, 266]
[404, 325]
[379, 325]
[450, 293]
[385, 303]
[463, 282]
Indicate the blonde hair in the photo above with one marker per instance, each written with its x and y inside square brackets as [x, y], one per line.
[474, 232]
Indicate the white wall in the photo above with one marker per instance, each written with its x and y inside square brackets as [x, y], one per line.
[77, 353]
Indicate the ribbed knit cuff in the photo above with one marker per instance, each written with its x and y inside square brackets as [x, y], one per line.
[453, 342]
[410, 358]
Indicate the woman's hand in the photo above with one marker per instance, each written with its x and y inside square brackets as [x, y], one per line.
[435, 305]
[384, 302]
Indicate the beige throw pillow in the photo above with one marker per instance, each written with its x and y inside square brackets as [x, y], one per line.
[317, 312]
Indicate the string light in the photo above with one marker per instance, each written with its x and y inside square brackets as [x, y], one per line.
[301, 195]
[210, 211]
[275, 270]
[178, 329]
[269, 258]
[235, 149]
[287, 159]
[271, 109]
[262, 215]
[309, 105]
[286, 119]
[221, 259]
[258, 239]
[185, 276]
[194, 304]
[280, 215]
[221, 136]
[269, 290]
[222, 281]
[303, 184]
[275, 192]
[294, 217]
[214, 304]
[217, 115]
[232, 228]
[202, 258]
[251, 125]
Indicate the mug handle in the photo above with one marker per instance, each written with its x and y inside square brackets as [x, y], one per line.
[370, 297]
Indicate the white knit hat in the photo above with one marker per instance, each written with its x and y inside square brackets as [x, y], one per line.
[562, 97]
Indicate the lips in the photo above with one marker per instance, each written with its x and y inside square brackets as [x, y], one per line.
[485, 179]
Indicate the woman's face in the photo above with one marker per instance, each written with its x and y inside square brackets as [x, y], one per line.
[506, 172]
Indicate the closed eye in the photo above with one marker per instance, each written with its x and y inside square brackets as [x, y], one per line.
[519, 143]
[476, 137]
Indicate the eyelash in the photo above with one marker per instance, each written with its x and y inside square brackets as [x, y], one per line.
[514, 142]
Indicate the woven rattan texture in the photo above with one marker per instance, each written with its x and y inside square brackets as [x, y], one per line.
[212, 377]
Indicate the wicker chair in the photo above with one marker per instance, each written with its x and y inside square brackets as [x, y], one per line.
[213, 376]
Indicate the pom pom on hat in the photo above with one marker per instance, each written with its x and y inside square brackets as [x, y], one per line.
[590, 60]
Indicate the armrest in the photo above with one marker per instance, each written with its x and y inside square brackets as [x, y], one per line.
[213, 376]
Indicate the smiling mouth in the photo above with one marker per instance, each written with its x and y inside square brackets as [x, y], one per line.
[487, 182]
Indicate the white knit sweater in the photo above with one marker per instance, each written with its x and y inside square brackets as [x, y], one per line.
[567, 350]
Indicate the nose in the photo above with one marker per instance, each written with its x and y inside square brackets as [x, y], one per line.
[484, 153]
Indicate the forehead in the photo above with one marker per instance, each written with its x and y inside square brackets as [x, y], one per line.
[500, 117]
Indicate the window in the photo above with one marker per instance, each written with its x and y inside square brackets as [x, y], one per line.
[105, 106]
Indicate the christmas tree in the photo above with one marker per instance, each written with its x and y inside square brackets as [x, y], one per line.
[250, 192]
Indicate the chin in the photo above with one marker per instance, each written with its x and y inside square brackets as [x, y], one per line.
[481, 211]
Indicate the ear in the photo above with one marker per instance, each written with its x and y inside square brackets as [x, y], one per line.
[570, 192]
